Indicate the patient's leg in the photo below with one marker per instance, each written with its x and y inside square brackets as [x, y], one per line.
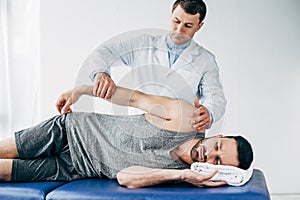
[8, 149]
[5, 169]
[44, 139]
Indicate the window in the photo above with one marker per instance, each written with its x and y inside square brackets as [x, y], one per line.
[19, 65]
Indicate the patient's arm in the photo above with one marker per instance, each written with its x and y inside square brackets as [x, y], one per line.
[70, 97]
[160, 106]
[164, 112]
[138, 176]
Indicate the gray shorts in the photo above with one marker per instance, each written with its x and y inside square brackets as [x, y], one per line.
[44, 153]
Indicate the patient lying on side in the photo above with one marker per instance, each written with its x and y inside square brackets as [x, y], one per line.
[138, 151]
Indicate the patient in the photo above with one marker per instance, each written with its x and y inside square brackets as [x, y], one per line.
[139, 150]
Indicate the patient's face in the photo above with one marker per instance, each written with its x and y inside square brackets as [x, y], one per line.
[216, 150]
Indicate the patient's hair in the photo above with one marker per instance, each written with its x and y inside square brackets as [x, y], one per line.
[245, 152]
[192, 7]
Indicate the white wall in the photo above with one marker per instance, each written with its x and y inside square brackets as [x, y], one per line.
[257, 47]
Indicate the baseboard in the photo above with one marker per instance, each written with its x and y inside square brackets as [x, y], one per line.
[285, 196]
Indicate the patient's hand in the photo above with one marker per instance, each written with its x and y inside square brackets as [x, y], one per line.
[200, 180]
[66, 100]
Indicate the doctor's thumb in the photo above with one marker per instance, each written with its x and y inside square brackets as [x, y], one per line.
[196, 102]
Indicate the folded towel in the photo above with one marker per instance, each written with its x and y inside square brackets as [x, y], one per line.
[232, 175]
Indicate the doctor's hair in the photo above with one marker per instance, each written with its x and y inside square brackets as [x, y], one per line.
[245, 152]
[192, 7]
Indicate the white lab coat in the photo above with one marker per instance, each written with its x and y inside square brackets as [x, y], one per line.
[195, 73]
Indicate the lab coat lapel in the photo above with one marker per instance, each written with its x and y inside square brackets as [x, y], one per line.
[161, 51]
[186, 57]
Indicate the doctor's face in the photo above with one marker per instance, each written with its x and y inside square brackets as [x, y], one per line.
[216, 150]
[184, 25]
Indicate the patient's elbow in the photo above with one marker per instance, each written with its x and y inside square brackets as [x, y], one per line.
[125, 180]
[121, 179]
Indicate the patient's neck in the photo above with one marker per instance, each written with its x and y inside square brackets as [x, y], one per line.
[182, 153]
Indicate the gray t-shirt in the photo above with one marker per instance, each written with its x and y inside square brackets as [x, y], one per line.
[105, 144]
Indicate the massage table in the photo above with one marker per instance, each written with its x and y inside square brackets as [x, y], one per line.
[255, 189]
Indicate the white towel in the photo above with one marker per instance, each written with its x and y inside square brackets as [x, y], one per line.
[232, 175]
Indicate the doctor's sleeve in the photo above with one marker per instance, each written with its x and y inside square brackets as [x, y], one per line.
[110, 54]
[210, 91]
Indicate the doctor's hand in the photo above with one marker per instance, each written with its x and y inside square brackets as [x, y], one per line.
[104, 86]
[66, 100]
[200, 117]
[200, 180]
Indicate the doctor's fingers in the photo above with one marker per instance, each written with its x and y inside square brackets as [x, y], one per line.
[100, 88]
[199, 111]
[110, 91]
[201, 122]
[202, 117]
[104, 87]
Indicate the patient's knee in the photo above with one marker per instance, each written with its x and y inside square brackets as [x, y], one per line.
[8, 149]
[5, 170]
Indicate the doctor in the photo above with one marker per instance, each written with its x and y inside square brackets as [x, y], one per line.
[169, 64]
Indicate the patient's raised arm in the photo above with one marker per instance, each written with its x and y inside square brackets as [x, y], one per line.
[159, 106]
[156, 105]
